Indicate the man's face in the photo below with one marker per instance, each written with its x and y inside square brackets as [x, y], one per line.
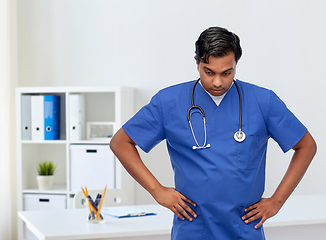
[217, 75]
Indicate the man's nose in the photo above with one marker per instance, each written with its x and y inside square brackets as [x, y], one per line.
[217, 81]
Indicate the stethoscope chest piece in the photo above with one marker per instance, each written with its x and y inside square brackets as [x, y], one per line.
[239, 136]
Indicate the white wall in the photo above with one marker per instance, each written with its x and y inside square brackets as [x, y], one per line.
[149, 44]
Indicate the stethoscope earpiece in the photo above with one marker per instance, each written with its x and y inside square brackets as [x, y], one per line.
[239, 136]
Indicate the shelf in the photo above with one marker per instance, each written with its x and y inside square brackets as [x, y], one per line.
[65, 142]
[44, 142]
[56, 189]
[91, 142]
[97, 105]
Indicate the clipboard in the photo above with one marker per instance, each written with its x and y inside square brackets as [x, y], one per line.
[125, 212]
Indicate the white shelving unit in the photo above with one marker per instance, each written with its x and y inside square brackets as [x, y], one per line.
[102, 104]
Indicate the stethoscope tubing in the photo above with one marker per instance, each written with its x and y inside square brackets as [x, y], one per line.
[240, 102]
[239, 136]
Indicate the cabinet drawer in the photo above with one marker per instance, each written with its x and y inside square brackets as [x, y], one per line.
[91, 166]
[44, 202]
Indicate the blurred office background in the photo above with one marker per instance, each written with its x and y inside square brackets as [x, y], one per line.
[148, 45]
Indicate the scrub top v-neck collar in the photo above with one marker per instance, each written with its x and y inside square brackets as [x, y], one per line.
[217, 99]
[202, 99]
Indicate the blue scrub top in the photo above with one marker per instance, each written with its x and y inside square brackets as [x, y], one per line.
[229, 176]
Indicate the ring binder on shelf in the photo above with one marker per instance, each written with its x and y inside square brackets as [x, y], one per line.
[51, 117]
[77, 117]
[37, 118]
[26, 127]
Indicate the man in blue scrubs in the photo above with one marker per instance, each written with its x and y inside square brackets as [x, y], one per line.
[218, 187]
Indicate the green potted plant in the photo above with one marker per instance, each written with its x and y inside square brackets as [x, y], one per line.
[45, 171]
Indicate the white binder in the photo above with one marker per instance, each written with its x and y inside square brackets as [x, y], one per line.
[76, 117]
[26, 117]
[37, 117]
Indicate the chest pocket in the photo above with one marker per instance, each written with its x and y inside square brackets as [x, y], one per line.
[251, 152]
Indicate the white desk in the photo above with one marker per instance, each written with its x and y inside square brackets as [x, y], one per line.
[301, 216]
[72, 224]
[300, 210]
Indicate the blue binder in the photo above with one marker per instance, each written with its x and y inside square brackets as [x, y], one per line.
[51, 117]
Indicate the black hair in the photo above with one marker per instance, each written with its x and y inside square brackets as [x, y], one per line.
[217, 42]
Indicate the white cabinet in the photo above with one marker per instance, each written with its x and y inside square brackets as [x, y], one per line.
[42, 202]
[114, 105]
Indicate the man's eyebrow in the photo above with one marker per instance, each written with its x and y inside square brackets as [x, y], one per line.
[208, 69]
[230, 69]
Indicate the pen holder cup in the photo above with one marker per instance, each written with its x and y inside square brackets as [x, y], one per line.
[93, 209]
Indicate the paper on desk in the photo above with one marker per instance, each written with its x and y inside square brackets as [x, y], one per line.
[122, 212]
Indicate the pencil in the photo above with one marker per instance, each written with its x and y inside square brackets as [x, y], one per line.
[89, 207]
[102, 199]
[86, 190]
[93, 208]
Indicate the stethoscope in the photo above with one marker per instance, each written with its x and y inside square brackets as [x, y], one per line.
[239, 136]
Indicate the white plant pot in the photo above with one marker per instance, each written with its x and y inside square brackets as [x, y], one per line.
[44, 182]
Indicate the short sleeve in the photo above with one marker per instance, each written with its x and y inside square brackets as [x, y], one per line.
[146, 127]
[283, 126]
